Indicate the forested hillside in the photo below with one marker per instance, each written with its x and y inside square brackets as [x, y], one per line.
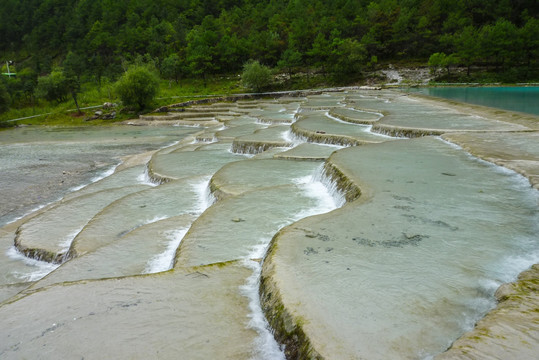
[92, 39]
[218, 36]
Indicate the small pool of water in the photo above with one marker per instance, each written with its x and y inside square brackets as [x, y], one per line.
[514, 98]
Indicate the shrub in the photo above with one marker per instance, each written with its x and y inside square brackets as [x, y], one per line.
[256, 76]
[137, 87]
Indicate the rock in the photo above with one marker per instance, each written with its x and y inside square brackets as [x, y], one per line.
[110, 116]
[98, 113]
[109, 105]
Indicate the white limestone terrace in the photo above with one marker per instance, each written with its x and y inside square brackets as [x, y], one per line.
[290, 228]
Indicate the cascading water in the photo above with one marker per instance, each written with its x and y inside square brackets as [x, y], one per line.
[164, 261]
[326, 199]
[36, 269]
[353, 254]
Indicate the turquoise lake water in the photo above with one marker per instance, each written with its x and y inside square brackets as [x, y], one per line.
[516, 98]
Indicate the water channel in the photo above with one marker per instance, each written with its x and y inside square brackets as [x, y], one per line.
[153, 241]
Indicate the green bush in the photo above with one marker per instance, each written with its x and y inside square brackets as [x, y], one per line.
[256, 76]
[53, 87]
[137, 87]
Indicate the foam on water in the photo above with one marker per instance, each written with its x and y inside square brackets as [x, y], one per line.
[37, 269]
[290, 137]
[330, 186]
[453, 145]
[264, 124]
[165, 260]
[108, 172]
[313, 187]
[66, 242]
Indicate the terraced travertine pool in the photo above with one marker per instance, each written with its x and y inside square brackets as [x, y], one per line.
[354, 224]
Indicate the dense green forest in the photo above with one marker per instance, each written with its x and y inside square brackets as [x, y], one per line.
[96, 39]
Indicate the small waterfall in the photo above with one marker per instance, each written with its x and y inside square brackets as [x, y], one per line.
[383, 135]
[319, 187]
[42, 268]
[251, 148]
[66, 242]
[205, 197]
[165, 260]
[266, 346]
[292, 138]
[329, 198]
[331, 186]
[145, 178]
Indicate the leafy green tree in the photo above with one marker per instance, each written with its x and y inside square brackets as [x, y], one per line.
[290, 60]
[172, 68]
[231, 52]
[99, 45]
[256, 76]
[5, 99]
[58, 86]
[529, 34]
[320, 52]
[53, 87]
[347, 58]
[74, 65]
[27, 78]
[505, 39]
[498, 42]
[466, 44]
[200, 52]
[137, 87]
[436, 61]
[450, 61]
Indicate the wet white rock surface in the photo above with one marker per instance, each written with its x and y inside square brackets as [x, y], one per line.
[433, 233]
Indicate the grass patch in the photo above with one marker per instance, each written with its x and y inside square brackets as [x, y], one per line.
[91, 95]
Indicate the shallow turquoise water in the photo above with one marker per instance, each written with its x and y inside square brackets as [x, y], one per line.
[516, 98]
